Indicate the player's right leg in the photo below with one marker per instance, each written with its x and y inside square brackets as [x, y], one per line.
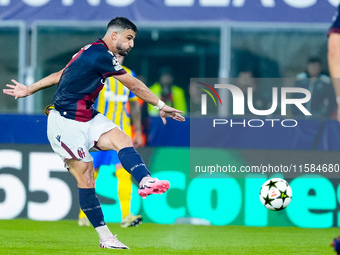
[83, 221]
[89, 202]
[116, 139]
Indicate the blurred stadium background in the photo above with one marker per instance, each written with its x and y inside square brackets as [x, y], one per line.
[198, 39]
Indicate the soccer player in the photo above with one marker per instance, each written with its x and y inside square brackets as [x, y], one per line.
[113, 102]
[334, 57]
[74, 127]
[334, 70]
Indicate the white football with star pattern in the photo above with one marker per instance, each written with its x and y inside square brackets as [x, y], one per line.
[276, 194]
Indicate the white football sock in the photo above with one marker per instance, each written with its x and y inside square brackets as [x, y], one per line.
[103, 232]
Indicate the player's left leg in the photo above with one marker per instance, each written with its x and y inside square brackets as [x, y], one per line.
[132, 162]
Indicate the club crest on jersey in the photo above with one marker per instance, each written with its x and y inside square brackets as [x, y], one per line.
[81, 152]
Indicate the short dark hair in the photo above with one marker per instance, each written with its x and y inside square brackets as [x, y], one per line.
[314, 59]
[123, 23]
[165, 70]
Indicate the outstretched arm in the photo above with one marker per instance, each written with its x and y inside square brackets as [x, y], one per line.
[143, 92]
[20, 90]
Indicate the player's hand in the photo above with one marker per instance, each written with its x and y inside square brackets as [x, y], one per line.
[138, 140]
[18, 90]
[170, 112]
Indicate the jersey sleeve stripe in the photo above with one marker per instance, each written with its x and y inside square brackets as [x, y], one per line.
[334, 30]
[109, 74]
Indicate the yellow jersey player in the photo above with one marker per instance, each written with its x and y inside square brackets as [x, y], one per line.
[119, 105]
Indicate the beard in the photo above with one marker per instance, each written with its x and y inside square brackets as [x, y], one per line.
[122, 51]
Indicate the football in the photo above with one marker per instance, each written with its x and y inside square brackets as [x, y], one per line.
[276, 194]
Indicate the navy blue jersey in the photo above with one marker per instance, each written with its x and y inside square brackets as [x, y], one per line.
[82, 80]
[335, 28]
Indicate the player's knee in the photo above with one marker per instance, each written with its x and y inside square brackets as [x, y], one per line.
[89, 176]
[83, 172]
[125, 141]
[86, 181]
[90, 183]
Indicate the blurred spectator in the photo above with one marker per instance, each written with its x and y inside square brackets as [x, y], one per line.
[168, 92]
[322, 102]
[259, 64]
[195, 99]
[195, 102]
[246, 80]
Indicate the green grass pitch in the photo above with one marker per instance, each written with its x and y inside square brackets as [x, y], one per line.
[22, 236]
